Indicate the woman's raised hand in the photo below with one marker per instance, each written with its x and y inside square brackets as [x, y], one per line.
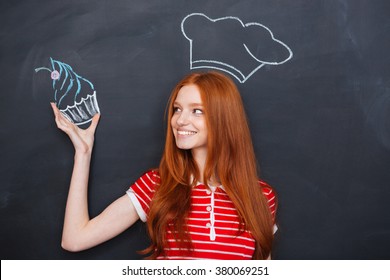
[82, 139]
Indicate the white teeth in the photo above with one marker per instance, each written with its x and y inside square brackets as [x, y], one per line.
[186, 132]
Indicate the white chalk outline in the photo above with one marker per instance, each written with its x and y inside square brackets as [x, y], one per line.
[91, 111]
[82, 114]
[243, 78]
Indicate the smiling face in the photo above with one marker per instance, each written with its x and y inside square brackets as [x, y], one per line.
[188, 121]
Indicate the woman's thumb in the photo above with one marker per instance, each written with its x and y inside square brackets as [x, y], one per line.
[94, 122]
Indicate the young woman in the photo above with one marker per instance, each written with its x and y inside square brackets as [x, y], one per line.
[204, 201]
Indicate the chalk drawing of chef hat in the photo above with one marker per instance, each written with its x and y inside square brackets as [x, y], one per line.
[229, 45]
[74, 95]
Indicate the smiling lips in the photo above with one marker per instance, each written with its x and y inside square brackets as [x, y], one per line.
[181, 132]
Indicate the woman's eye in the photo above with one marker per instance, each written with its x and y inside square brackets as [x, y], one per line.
[198, 111]
[176, 109]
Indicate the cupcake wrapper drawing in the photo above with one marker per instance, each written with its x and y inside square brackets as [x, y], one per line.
[74, 95]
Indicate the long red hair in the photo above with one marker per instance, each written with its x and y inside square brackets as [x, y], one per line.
[230, 158]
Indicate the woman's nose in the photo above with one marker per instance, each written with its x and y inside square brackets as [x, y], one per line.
[183, 119]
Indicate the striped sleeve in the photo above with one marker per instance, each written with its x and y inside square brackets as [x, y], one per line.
[272, 200]
[142, 191]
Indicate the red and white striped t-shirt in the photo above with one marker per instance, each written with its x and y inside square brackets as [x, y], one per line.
[213, 222]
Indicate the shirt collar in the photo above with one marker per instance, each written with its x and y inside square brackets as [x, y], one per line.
[213, 188]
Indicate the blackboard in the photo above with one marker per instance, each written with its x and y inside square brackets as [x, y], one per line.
[320, 120]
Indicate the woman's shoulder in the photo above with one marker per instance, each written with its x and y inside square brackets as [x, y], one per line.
[270, 195]
[151, 175]
[152, 172]
[267, 190]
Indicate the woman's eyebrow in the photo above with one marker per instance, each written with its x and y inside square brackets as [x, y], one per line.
[196, 105]
[176, 103]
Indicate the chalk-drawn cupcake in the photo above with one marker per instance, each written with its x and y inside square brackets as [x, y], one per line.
[74, 95]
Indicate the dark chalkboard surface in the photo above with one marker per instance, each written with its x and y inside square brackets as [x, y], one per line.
[319, 110]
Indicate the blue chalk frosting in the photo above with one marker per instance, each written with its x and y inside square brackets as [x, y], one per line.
[68, 83]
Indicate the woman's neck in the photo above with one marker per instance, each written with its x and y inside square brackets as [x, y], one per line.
[200, 159]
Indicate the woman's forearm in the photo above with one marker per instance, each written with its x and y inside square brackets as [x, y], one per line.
[76, 212]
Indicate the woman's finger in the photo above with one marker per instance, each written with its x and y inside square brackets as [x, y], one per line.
[54, 108]
[94, 123]
[62, 122]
